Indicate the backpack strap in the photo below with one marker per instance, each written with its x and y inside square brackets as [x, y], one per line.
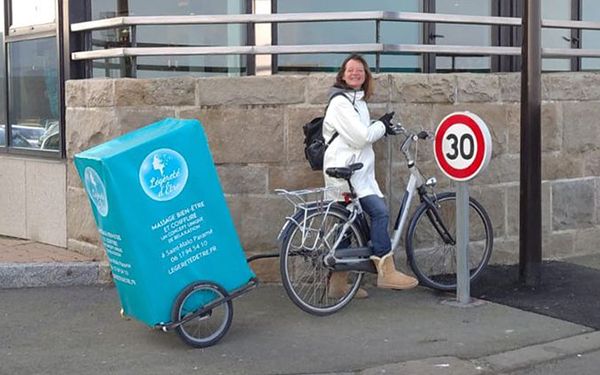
[335, 134]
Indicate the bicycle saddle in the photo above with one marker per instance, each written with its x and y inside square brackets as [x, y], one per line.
[343, 172]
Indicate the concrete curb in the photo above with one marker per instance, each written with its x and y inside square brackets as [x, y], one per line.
[493, 364]
[536, 354]
[26, 275]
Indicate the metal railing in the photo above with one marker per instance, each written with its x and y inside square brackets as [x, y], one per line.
[377, 48]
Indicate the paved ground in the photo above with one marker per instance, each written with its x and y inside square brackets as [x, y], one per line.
[76, 328]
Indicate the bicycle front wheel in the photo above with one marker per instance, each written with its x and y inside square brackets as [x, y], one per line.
[304, 274]
[431, 242]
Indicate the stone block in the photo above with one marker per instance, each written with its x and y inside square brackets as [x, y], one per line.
[294, 177]
[155, 92]
[556, 166]
[243, 179]
[382, 89]
[242, 135]
[477, 88]
[494, 116]
[586, 241]
[73, 179]
[258, 220]
[502, 169]
[573, 204]
[578, 86]
[296, 117]
[558, 245]
[591, 163]
[493, 200]
[513, 209]
[552, 127]
[88, 127]
[100, 93]
[260, 90]
[423, 88]
[46, 201]
[505, 251]
[317, 88]
[80, 220]
[130, 119]
[267, 270]
[510, 87]
[581, 135]
[75, 93]
[13, 200]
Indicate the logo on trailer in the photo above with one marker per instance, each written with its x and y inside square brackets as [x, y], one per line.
[96, 190]
[163, 174]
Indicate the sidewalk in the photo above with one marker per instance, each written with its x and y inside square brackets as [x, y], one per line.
[25, 263]
[391, 332]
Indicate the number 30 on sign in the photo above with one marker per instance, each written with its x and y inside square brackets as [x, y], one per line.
[462, 145]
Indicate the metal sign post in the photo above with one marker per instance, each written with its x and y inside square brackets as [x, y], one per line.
[462, 149]
[463, 286]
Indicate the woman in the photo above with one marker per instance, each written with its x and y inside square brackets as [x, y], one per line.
[348, 116]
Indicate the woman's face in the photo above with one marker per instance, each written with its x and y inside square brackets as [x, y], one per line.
[354, 74]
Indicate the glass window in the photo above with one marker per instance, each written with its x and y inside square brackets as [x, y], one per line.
[34, 93]
[467, 35]
[556, 38]
[590, 10]
[2, 81]
[32, 12]
[344, 32]
[170, 36]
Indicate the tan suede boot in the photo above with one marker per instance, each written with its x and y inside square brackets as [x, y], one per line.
[338, 286]
[387, 275]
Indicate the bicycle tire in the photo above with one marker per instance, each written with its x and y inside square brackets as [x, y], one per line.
[207, 329]
[303, 273]
[432, 260]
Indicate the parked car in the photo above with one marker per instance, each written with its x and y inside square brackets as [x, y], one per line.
[18, 140]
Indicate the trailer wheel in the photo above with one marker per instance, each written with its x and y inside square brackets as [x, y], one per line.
[206, 329]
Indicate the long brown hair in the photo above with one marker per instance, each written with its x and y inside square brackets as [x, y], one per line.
[367, 86]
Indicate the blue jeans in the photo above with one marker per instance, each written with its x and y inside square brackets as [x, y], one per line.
[378, 211]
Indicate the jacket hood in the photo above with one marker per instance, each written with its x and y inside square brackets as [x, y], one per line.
[350, 93]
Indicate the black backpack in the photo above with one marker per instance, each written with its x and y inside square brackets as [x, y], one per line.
[314, 143]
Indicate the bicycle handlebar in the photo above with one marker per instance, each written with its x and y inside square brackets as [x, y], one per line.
[411, 137]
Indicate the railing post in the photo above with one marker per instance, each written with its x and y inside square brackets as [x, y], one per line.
[378, 41]
[530, 234]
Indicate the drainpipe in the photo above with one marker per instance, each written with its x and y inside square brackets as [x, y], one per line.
[530, 224]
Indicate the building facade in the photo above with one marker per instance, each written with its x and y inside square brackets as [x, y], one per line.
[38, 133]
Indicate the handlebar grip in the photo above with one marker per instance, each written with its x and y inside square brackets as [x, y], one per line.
[423, 135]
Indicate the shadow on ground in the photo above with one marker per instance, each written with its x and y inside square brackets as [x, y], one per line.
[568, 291]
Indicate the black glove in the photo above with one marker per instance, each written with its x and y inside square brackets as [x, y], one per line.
[387, 121]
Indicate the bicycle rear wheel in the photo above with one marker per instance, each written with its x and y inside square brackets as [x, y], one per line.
[432, 257]
[304, 274]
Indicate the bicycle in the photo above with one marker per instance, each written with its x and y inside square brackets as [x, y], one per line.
[324, 236]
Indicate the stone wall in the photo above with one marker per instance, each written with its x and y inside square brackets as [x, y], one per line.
[254, 126]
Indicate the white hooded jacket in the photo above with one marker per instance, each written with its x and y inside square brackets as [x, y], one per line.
[356, 134]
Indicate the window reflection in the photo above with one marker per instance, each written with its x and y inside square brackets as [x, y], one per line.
[556, 38]
[468, 35]
[33, 94]
[32, 12]
[2, 82]
[169, 36]
[590, 38]
[345, 32]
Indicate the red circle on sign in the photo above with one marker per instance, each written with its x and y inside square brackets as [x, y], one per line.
[465, 173]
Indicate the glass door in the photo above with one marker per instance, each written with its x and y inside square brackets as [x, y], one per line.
[557, 38]
[456, 34]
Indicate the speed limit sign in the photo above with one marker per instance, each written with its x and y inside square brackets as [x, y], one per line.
[462, 145]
